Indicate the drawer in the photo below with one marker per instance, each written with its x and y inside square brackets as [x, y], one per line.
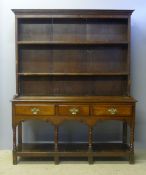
[73, 110]
[34, 109]
[121, 110]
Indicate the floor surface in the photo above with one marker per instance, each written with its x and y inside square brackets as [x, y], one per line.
[78, 167]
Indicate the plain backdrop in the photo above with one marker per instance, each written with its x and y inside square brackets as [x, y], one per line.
[38, 131]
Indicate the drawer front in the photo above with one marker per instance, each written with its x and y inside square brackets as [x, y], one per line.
[73, 110]
[110, 110]
[34, 109]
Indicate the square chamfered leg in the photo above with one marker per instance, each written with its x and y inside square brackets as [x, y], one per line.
[20, 136]
[131, 151]
[14, 146]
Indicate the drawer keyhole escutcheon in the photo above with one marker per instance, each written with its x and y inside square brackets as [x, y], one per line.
[74, 111]
[112, 111]
[35, 111]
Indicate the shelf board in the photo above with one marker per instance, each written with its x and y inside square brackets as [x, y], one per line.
[101, 149]
[74, 74]
[72, 42]
[104, 99]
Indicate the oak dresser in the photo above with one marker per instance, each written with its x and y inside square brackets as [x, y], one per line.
[73, 65]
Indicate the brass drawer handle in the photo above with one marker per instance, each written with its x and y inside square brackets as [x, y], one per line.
[35, 111]
[73, 111]
[112, 111]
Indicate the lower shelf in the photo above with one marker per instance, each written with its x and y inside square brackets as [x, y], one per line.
[73, 150]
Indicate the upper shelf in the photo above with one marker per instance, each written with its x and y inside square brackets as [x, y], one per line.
[72, 30]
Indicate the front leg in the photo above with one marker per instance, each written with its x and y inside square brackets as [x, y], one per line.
[56, 158]
[90, 137]
[14, 146]
[131, 154]
[20, 136]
